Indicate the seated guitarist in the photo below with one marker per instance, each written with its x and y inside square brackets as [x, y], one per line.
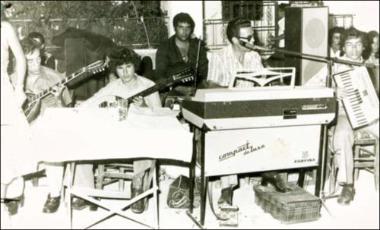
[40, 78]
[181, 51]
[123, 62]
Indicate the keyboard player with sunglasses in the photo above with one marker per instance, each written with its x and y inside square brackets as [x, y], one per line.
[223, 66]
[343, 136]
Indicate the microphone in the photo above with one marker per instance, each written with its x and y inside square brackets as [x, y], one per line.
[253, 47]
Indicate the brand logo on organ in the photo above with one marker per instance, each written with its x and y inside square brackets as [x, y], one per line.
[244, 149]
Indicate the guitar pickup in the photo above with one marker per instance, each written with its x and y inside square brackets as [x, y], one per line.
[289, 114]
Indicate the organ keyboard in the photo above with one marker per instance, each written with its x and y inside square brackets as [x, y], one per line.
[219, 109]
[361, 103]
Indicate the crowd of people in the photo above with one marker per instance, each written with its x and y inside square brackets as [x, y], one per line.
[33, 73]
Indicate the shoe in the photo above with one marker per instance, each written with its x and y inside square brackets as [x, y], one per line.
[274, 179]
[93, 207]
[139, 206]
[225, 197]
[347, 194]
[13, 204]
[80, 204]
[51, 204]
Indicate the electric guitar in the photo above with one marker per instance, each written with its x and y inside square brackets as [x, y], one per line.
[183, 76]
[90, 70]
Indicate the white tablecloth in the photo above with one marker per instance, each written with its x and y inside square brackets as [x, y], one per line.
[70, 134]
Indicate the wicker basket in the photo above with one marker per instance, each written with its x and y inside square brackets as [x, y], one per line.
[295, 206]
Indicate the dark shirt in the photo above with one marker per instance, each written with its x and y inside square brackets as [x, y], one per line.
[169, 60]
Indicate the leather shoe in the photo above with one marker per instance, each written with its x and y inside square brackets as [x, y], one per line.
[13, 204]
[139, 206]
[51, 204]
[274, 179]
[79, 204]
[347, 194]
[226, 196]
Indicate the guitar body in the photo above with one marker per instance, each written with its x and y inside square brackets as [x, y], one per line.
[32, 105]
[32, 109]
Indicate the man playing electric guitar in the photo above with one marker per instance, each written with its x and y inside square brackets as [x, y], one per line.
[39, 78]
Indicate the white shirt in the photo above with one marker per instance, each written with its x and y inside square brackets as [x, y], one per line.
[281, 31]
[334, 54]
[118, 88]
[224, 65]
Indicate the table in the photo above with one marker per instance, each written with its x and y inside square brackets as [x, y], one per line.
[77, 134]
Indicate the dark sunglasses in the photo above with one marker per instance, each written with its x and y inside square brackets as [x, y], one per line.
[249, 38]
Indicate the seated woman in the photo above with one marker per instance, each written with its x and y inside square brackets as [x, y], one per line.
[123, 62]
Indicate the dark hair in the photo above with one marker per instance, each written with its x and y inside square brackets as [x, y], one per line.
[282, 6]
[353, 33]
[183, 18]
[335, 30]
[370, 35]
[36, 35]
[29, 45]
[3, 7]
[123, 55]
[233, 27]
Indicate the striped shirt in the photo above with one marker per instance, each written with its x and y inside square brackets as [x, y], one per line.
[224, 65]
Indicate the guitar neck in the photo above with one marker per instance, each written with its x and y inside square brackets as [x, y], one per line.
[60, 83]
[146, 92]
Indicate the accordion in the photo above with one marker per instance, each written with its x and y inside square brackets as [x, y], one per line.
[361, 103]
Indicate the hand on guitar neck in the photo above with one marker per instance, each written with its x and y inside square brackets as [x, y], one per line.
[33, 105]
[185, 75]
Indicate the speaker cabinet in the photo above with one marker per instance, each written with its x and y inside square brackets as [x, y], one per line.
[306, 31]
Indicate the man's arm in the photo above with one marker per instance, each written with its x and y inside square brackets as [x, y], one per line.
[215, 71]
[16, 48]
[153, 101]
[202, 67]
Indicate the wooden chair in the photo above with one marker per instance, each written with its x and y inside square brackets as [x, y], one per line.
[109, 173]
[112, 172]
[366, 156]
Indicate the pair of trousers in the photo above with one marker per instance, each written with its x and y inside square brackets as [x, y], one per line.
[343, 141]
[54, 176]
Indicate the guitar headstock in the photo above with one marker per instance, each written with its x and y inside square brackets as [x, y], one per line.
[185, 75]
[97, 67]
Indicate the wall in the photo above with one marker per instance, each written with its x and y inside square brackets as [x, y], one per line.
[366, 13]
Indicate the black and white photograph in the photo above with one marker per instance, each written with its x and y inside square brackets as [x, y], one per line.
[200, 114]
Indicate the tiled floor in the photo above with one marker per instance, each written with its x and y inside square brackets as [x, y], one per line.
[362, 213]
